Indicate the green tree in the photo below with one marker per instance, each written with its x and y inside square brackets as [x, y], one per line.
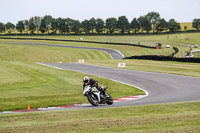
[173, 25]
[154, 18]
[46, 24]
[54, 25]
[99, 25]
[76, 26]
[141, 20]
[70, 24]
[2, 27]
[196, 23]
[37, 22]
[162, 25]
[31, 25]
[145, 23]
[92, 24]
[63, 25]
[20, 26]
[85, 25]
[123, 24]
[135, 25]
[111, 24]
[43, 26]
[26, 25]
[10, 27]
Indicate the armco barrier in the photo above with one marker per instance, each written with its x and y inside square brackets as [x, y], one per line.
[81, 41]
[164, 58]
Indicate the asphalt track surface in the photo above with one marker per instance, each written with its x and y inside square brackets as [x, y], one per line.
[161, 88]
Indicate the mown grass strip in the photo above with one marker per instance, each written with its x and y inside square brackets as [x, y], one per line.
[41, 86]
[32, 53]
[175, 117]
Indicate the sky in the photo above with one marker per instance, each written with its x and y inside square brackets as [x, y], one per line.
[16, 10]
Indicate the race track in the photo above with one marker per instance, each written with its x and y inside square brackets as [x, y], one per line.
[162, 88]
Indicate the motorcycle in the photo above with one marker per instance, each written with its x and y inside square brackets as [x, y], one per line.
[95, 97]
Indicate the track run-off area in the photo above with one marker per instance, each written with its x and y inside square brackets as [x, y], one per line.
[159, 87]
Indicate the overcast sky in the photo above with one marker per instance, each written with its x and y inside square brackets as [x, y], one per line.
[16, 10]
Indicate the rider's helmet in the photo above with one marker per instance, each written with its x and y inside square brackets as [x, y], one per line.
[86, 79]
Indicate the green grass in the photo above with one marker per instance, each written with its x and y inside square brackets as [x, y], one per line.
[23, 83]
[25, 53]
[178, 68]
[143, 39]
[61, 52]
[174, 40]
[40, 86]
[163, 118]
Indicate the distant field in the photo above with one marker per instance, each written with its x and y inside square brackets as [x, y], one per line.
[183, 41]
[150, 40]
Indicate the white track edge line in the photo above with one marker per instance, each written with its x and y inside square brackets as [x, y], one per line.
[146, 92]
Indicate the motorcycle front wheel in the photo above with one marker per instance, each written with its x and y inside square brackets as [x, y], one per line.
[93, 100]
[109, 100]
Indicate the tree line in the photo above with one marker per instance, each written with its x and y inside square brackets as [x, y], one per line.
[47, 24]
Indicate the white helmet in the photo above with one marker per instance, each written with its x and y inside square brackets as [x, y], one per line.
[86, 79]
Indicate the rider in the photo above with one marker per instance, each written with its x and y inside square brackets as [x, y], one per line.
[92, 83]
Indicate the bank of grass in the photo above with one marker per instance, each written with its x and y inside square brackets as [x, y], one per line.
[24, 84]
[32, 53]
[178, 68]
[163, 118]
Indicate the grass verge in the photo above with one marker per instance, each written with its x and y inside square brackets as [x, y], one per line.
[32, 53]
[24, 84]
[178, 68]
[163, 118]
